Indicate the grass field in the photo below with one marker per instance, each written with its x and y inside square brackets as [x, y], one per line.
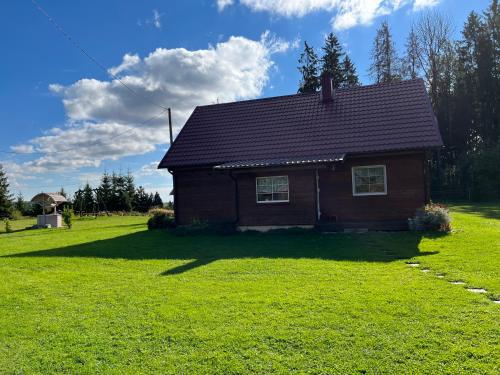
[109, 296]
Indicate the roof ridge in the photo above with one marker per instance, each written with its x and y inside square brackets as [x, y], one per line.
[259, 99]
[349, 88]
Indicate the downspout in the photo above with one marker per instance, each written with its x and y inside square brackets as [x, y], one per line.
[176, 206]
[318, 206]
[236, 198]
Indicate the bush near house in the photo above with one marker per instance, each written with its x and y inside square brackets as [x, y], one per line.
[160, 219]
[432, 216]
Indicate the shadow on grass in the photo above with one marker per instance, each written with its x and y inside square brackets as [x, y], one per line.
[490, 210]
[202, 250]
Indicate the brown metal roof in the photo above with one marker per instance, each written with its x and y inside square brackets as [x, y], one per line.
[383, 117]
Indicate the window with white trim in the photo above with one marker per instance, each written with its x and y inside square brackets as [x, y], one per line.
[272, 189]
[369, 180]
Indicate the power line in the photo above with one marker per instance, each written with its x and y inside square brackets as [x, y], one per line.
[89, 56]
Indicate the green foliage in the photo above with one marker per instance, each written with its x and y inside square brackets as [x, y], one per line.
[16, 214]
[385, 65]
[331, 60]
[335, 62]
[486, 173]
[5, 197]
[309, 70]
[8, 226]
[67, 216]
[160, 219]
[434, 217]
[350, 77]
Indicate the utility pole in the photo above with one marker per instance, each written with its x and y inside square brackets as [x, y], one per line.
[170, 126]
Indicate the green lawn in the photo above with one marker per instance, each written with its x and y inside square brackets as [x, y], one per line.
[109, 296]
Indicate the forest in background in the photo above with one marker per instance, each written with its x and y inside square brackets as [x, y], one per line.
[463, 81]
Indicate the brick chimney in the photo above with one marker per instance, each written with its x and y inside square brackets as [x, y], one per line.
[326, 88]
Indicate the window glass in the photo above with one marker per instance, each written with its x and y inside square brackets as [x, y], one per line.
[369, 180]
[272, 189]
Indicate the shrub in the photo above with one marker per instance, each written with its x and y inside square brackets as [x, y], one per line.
[200, 228]
[67, 216]
[8, 227]
[160, 219]
[16, 215]
[160, 211]
[431, 217]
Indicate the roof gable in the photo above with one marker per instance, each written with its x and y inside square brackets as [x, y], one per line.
[383, 117]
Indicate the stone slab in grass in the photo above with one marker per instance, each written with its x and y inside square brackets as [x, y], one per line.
[426, 270]
[413, 264]
[496, 301]
[477, 290]
[458, 282]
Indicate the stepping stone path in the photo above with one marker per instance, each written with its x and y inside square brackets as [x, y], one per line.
[456, 282]
[477, 290]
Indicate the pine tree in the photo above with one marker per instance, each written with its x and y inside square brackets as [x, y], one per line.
[142, 198]
[129, 191]
[385, 65]
[157, 201]
[118, 192]
[411, 65]
[20, 204]
[105, 191]
[78, 201]
[5, 197]
[88, 201]
[331, 60]
[350, 77]
[309, 70]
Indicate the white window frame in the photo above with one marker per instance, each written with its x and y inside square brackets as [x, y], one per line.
[353, 169]
[272, 201]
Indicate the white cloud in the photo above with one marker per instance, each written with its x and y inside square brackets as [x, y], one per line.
[221, 4]
[107, 121]
[346, 13]
[154, 21]
[157, 19]
[23, 149]
[149, 169]
[422, 4]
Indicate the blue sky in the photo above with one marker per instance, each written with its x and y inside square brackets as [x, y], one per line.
[64, 120]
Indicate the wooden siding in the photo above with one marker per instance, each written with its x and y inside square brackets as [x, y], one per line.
[300, 210]
[204, 195]
[210, 195]
[405, 193]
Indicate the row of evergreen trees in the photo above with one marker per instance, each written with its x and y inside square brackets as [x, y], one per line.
[116, 192]
[463, 81]
[335, 62]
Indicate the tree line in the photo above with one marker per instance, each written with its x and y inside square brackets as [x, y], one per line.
[463, 82]
[116, 192]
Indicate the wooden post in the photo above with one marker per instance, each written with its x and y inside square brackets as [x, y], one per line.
[170, 126]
